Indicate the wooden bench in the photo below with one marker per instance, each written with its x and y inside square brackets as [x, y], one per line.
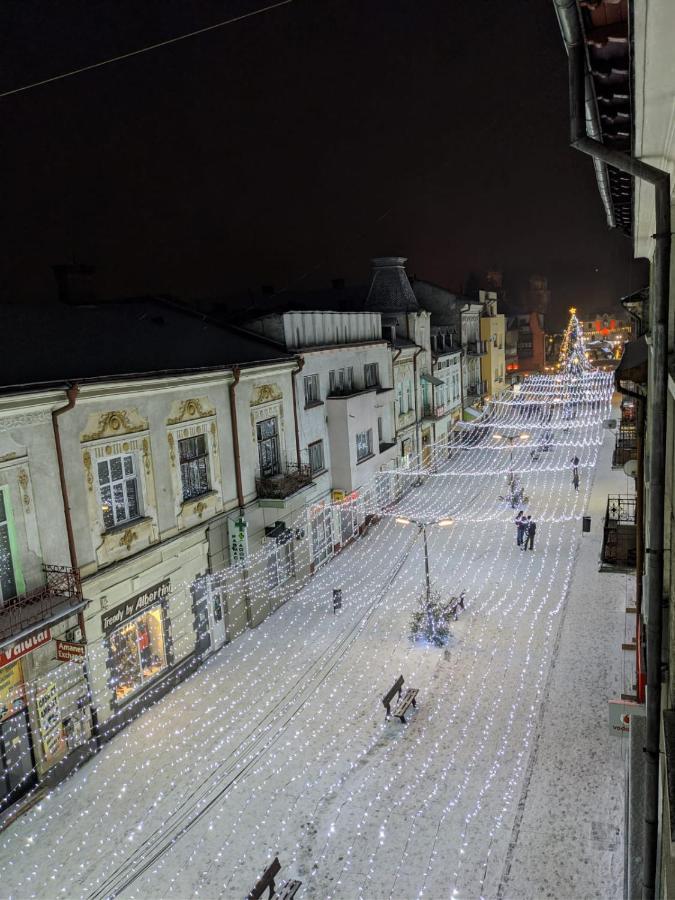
[405, 699]
[287, 891]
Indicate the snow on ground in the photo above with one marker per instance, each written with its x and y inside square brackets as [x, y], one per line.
[278, 744]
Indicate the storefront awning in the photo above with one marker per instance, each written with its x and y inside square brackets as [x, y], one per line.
[431, 379]
[633, 365]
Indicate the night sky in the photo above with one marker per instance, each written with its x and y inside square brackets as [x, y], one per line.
[290, 148]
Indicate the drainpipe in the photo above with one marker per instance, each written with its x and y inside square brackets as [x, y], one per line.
[236, 373]
[300, 365]
[639, 532]
[659, 298]
[393, 384]
[72, 394]
[417, 422]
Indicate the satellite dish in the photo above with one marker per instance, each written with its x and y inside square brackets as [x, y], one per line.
[630, 467]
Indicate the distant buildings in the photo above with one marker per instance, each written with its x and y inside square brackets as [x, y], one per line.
[525, 344]
[159, 445]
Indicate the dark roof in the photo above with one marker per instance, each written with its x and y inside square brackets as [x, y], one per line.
[607, 35]
[252, 306]
[146, 336]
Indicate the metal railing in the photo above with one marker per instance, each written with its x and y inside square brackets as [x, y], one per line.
[61, 590]
[290, 478]
[619, 537]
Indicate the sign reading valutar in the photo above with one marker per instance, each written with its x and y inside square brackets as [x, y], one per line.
[114, 617]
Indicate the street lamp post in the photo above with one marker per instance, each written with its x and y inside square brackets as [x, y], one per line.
[404, 520]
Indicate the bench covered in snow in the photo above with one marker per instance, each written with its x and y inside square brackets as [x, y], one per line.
[287, 891]
[404, 701]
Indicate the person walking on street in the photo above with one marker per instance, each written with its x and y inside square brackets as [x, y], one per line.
[520, 528]
[531, 531]
[526, 524]
[575, 466]
[575, 480]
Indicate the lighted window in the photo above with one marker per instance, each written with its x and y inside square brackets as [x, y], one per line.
[194, 466]
[118, 486]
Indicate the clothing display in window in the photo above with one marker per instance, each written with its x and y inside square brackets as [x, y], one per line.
[137, 652]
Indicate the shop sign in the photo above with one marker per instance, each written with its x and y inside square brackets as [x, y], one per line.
[50, 720]
[25, 645]
[238, 540]
[620, 712]
[127, 610]
[68, 651]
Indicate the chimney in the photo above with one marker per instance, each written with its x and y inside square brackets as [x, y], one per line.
[75, 284]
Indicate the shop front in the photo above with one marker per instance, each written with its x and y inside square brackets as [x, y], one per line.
[45, 710]
[16, 746]
[139, 642]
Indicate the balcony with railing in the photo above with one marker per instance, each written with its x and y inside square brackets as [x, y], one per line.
[59, 596]
[476, 348]
[477, 389]
[280, 485]
[619, 538]
[434, 413]
[625, 447]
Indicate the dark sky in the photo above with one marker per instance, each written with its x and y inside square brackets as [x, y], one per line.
[289, 148]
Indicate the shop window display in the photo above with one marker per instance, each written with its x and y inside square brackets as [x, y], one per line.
[137, 652]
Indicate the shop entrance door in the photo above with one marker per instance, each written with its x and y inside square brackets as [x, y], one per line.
[215, 605]
[16, 757]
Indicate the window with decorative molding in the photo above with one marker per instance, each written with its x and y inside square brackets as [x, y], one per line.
[194, 466]
[7, 562]
[118, 487]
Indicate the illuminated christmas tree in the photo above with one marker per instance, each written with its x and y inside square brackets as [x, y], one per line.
[573, 358]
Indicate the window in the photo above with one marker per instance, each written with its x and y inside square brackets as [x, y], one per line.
[118, 485]
[401, 407]
[371, 375]
[364, 444]
[341, 380]
[379, 429]
[137, 652]
[316, 463]
[7, 578]
[312, 394]
[194, 466]
[268, 447]
[409, 393]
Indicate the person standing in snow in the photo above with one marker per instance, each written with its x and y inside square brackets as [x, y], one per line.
[520, 528]
[575, 480]
[575, 466]
[531, 531]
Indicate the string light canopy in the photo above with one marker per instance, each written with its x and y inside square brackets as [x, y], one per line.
[277, 746]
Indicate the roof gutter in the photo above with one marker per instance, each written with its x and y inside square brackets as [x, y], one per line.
[658, 320]
[571, 30]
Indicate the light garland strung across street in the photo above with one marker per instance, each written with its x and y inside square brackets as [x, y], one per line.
[277, 744]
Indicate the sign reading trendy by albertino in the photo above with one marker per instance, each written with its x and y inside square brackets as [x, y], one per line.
[130, 608]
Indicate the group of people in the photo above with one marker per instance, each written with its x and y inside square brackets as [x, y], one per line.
[526, 528]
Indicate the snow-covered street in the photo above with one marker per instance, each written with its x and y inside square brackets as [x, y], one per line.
[278, 745]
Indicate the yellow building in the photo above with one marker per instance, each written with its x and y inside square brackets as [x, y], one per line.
[493, 338]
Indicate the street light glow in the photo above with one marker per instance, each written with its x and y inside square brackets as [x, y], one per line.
[444, 522]
[402, 520]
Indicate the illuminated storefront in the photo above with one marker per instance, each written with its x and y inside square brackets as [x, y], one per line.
[138, 636]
